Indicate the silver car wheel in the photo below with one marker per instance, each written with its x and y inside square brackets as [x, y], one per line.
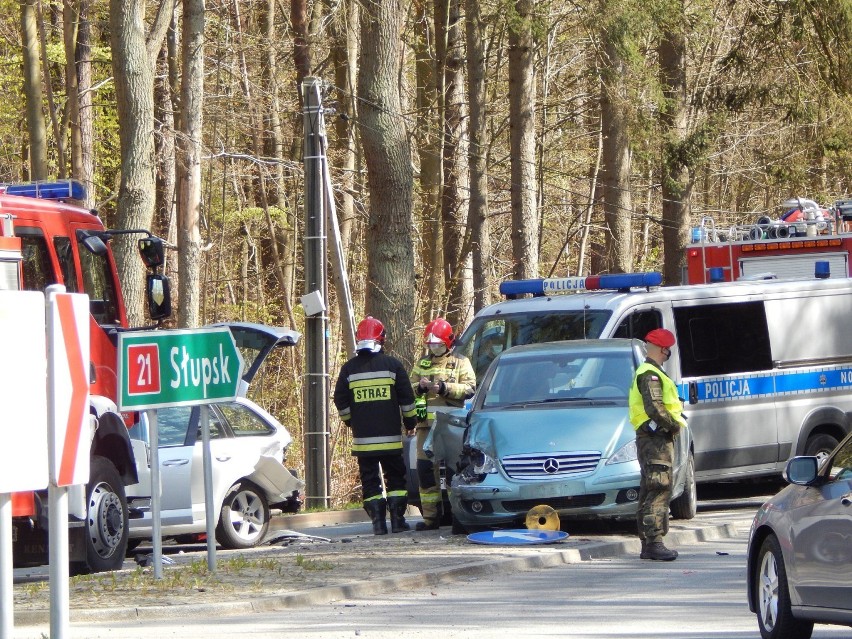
[244, 519]
[767, 595]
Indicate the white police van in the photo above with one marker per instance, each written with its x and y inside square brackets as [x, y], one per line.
[764, 367]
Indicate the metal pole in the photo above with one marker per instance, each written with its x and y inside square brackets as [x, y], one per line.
[6, 571]
[156, 492]
[316, 369]
[60, 614]
[209, 508]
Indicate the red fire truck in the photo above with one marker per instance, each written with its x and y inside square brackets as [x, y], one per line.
[805, 241]
[64, 244]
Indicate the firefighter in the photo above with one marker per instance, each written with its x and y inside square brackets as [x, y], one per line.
[443, 378]
[370, 393]
[655, 410]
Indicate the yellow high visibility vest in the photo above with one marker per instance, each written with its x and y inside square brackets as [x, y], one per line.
[671, 399]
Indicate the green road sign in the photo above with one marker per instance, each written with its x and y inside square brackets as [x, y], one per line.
[175, 368]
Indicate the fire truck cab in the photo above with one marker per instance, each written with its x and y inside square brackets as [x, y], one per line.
[64, 244]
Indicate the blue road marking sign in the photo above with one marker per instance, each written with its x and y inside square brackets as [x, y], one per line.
[517, 537]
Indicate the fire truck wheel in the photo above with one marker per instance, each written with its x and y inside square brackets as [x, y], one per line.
[106, 518]
[244, 519]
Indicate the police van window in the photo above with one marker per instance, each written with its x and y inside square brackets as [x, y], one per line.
[721, 339]
[639, 324]
[65, 255]
[37, 268]
[99, 285]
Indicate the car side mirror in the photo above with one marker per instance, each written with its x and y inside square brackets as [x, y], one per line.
[801, 470]
[153, 251]
[159, 294]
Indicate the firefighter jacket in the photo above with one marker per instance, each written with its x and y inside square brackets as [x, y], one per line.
[456, 373]
[653, 399]
[370, 393]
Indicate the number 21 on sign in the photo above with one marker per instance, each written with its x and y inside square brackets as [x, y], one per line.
[143, 363]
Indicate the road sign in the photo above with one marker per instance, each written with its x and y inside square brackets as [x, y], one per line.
[68, 386]
[23, 394]
[177, 368]
[517, 537]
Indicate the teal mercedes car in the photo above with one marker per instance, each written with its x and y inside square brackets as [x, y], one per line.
[548, 426]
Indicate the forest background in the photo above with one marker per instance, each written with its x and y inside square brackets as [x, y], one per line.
[469, 141]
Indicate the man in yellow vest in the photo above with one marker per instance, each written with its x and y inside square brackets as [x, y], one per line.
[656, 414]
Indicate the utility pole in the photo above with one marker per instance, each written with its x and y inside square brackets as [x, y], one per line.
[317, 435]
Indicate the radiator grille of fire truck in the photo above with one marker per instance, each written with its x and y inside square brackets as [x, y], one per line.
[547, 465]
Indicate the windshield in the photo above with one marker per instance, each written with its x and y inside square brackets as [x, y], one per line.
[487, 337]
[559, 377]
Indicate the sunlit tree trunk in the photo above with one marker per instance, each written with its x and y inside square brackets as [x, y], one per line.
[36, 124]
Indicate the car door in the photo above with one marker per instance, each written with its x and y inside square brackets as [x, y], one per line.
[175, 428]
[822, 536]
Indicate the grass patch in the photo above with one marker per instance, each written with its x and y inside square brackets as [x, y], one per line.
[313, 564]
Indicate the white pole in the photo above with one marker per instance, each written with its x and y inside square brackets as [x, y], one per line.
[156, 535]
[6, 568]
[209, 507]
[60, 615]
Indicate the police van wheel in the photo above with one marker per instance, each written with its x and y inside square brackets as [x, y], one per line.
[820, 445]
[685, 506]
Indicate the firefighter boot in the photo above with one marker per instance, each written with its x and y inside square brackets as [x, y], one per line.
[377, 509]
[644, 553]
[396, 510]
[656, 551]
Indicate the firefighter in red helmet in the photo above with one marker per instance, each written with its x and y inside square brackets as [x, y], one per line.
[443, 378]
[372, 391]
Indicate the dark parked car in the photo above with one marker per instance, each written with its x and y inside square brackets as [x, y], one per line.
[800, 548]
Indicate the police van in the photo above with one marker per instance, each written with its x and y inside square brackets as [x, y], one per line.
[764, 367]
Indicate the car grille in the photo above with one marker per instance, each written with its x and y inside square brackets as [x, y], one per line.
[550, 466]
[557, 503]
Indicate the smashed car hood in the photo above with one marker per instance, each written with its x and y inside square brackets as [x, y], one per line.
[499, 433]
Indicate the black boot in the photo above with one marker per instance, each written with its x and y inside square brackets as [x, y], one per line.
[377, 509]
[656, 551]
[396, 510]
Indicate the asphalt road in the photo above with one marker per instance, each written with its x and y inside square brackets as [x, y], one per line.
[699, 596]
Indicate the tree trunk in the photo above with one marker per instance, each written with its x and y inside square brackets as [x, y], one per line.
[36, 124]
[428, 143]
[615, 163]
[525, 223]
[78, 82]
[675, 173]
[478, 153]
[345, 52]
[390, 259]
[189, 163]
[454, 200]
[135, 101]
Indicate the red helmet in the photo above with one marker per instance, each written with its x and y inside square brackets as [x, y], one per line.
[661, 337]
[438, 331]
[370, 334]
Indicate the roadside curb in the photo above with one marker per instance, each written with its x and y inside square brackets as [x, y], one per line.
[367, 588]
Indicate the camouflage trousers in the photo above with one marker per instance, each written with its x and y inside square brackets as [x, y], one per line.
[656, 453]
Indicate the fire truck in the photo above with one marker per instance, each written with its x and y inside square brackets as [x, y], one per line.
[805, 241]
[47, 240]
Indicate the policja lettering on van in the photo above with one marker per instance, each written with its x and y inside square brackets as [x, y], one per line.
[727, 388]
[198, 371]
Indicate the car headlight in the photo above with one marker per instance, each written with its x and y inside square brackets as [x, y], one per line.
[482, 463]
[626, 453]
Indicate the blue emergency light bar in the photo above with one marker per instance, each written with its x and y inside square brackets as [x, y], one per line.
[59, 190]
[549, 286]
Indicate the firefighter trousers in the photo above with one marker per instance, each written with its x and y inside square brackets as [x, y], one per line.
[429, 476]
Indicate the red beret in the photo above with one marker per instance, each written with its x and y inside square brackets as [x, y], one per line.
[661, 337]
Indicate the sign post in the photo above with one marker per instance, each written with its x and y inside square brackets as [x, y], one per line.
[159, 369]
